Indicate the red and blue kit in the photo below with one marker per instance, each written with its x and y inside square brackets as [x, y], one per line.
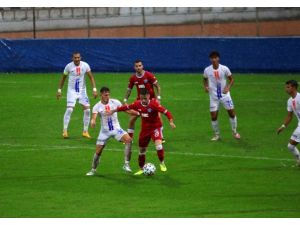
[151, 122]
[146, 80]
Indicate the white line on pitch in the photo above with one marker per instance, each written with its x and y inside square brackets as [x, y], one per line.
[30, 148]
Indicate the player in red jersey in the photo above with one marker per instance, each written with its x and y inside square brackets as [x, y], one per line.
[149, 110]
[141, 79]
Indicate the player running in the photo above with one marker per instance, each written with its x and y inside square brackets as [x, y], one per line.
[110, 126]
[293, 107]
[149, 110]
[141, 79]
[215, 77]
[76, 71]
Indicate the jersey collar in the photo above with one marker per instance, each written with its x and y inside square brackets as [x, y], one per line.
[141, 75]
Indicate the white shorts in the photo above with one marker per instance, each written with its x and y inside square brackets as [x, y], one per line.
[296, 135]
[73, 96]
[105, 135]
[226, 101]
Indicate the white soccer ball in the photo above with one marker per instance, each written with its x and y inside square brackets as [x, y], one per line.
[149, 169]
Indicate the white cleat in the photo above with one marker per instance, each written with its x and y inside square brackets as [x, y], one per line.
[216, 138]
[237, 136]
[127, 168]
[91, 173]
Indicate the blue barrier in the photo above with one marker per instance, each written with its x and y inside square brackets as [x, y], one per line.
[158, 54]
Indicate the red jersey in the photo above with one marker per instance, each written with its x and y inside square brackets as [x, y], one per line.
[149, 113]
[144, 81]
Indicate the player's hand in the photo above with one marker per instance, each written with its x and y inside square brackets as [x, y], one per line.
[95, 93]
[280, 129]
[206, 89]
[93, 123]
[226, 90]
[58, 95]
[172, 124]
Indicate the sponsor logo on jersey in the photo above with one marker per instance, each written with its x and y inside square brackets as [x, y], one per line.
[141, 86]
[149, 110]
[136, 82]
[145, 115]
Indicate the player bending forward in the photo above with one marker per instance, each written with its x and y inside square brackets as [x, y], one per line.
[215, 77]
[149, 110]
[76, 71]
[110, 126]
[293, 106]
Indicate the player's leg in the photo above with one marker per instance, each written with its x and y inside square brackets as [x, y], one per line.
[84, 101]
[157, 138]
[96, 160]
[292, 146]
[124, 137]
[71, 102]
[228, 105]
[214, 110]
[100, 144]
[144, 140]
[131, 125]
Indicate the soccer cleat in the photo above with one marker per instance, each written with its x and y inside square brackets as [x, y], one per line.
[163, 140]
[86, 134]
[91, 173]
[237, 136]
[216, 138]
[127, 168]
[65, 134]
[163, 167]
[140, 172]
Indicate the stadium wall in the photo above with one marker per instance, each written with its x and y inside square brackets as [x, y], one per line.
[158, 54]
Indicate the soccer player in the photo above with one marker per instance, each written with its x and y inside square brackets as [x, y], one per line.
[110, 126]
[149, 110]
[76, 71]
[141, 79]
[293, 107]
[215, 84]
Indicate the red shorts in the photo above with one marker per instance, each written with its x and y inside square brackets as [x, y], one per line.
[145, 137]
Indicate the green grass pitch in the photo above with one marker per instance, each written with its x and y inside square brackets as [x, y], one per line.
[42, 175]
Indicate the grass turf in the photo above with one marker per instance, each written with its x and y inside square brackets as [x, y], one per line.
[43, 175]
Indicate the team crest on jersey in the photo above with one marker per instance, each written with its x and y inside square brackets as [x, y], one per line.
[149, 110]
[146, 81]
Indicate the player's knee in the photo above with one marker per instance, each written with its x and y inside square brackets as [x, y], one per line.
[291, 147]
[159, 147]
[128, 140]
[69, 109]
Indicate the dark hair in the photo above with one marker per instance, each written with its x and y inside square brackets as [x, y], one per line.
[138, 61]
[293, 83]
[75, 53]
[214, 53]
[104, 89]
[144, 91]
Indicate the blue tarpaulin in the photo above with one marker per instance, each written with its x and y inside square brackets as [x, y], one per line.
[158, 54]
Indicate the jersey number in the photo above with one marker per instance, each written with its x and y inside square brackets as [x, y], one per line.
[77, 85]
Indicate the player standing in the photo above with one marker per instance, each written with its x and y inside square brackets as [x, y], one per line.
[76, 71]
[149, 110]
[215, 84]
[141, 79]
[110, 126]
[293, 107]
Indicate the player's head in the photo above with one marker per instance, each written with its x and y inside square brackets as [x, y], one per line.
[76, 57]
[138, 66]
[291, 86]
[105, 94]
[144, 96]
[214, 57]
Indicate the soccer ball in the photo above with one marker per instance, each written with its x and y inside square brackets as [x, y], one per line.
[149, 169]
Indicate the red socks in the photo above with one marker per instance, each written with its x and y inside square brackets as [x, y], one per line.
[161, 155]
[142, 159]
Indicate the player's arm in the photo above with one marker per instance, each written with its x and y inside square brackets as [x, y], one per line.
[205, 84]
[229, 85]
[286, 122]
[61, 85]
[168, 114]
[127, 94]
[123, 108]
[92, 79]
[93, 120]
[158, 90]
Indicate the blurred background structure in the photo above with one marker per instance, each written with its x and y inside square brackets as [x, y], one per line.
[18, 23]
